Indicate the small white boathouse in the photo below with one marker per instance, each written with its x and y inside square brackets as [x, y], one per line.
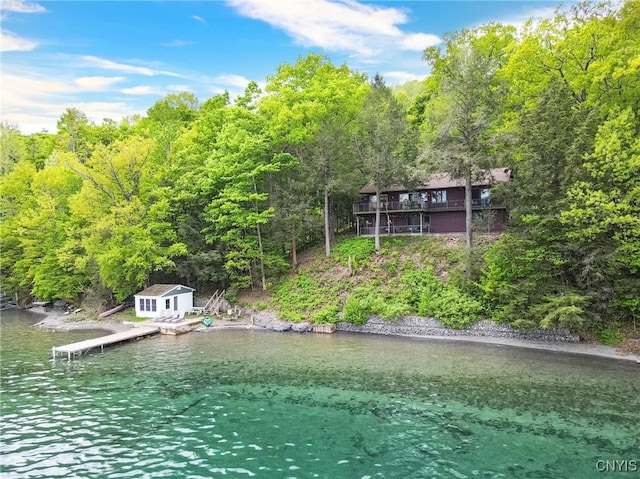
[164, 301]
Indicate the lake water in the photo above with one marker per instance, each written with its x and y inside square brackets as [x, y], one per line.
[240, 403]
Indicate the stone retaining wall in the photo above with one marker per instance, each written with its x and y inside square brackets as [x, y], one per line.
[419, 326]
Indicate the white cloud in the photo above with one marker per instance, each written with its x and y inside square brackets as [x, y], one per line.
[142, 90]
[339, 25]
[97, 83]
[519, 20]
[98, 111]
[178, 88]
[35, 102]
[20, 6]
[10, 42]
[398, 78]
[105, 64]
[178, 43]
[419, 41]
[231, 79]
[199, 19]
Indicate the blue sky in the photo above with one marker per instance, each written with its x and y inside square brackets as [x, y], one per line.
[112, 59]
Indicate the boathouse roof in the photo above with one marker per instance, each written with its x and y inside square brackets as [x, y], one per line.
[164, 290]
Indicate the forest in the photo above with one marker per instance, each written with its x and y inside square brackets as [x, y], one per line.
[227, 192]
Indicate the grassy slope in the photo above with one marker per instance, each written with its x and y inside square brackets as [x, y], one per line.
[385, 283]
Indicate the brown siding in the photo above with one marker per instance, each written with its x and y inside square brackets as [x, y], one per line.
[455, 194]
[447, 222]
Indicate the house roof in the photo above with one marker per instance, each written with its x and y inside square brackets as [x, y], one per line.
[162, 289]
[441, 181]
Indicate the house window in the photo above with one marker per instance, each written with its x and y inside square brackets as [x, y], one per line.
[147, 304]
[153, 305]
[175, 303]
[439, 196]
[167, 304]
[141, 304]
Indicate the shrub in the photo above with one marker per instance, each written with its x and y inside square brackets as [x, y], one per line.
[611, 336]
[452, 307]
[355, 312]
[561, 310]
[327, 315]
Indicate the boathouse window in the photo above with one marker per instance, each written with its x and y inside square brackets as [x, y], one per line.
[141, 304]
[167, 303]
[147, 304]
[153, 305]
[175, 303]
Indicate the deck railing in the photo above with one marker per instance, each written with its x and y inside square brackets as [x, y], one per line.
[451, 205]
[395, 230]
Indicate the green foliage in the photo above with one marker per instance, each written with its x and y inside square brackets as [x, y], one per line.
[451, 306]
[563, 310]
[222, 194]
[611, 335]
[355, 311]
[358, 250]
[327, 316]
[302, 297]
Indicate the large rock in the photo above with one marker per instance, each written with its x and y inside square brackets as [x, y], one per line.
[302, 327]
[269, 320]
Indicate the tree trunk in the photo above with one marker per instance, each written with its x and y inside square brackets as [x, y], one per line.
[327, 228]
[294, 254]
[377, 226]
[468, 209]
[262, 275]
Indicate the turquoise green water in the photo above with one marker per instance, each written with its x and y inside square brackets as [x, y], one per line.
[278, 405]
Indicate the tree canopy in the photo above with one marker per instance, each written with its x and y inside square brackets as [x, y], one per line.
[223, 192]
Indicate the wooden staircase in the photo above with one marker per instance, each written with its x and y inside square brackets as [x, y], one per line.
[214, 303]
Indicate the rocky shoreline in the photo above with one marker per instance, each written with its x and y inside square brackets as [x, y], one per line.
[419, 326]
[58, 321]
[488, 332]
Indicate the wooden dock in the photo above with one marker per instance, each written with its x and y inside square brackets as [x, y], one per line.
[76, 349]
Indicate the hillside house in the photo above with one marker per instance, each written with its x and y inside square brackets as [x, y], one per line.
[164, 301]
[436, 205]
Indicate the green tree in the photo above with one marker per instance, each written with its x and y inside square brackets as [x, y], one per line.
[15, 198]
[310, 109]
[72, 125]
[237, 167]
[193, 190]
[378, 141]
[603, 214]
[12, 148]
[41, 229]
[122, 215]
[165, 121]
[463, 117]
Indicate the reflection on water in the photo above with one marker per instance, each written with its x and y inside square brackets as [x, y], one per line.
[262, 404]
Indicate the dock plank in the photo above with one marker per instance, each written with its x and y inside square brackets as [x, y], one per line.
[87, 344]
